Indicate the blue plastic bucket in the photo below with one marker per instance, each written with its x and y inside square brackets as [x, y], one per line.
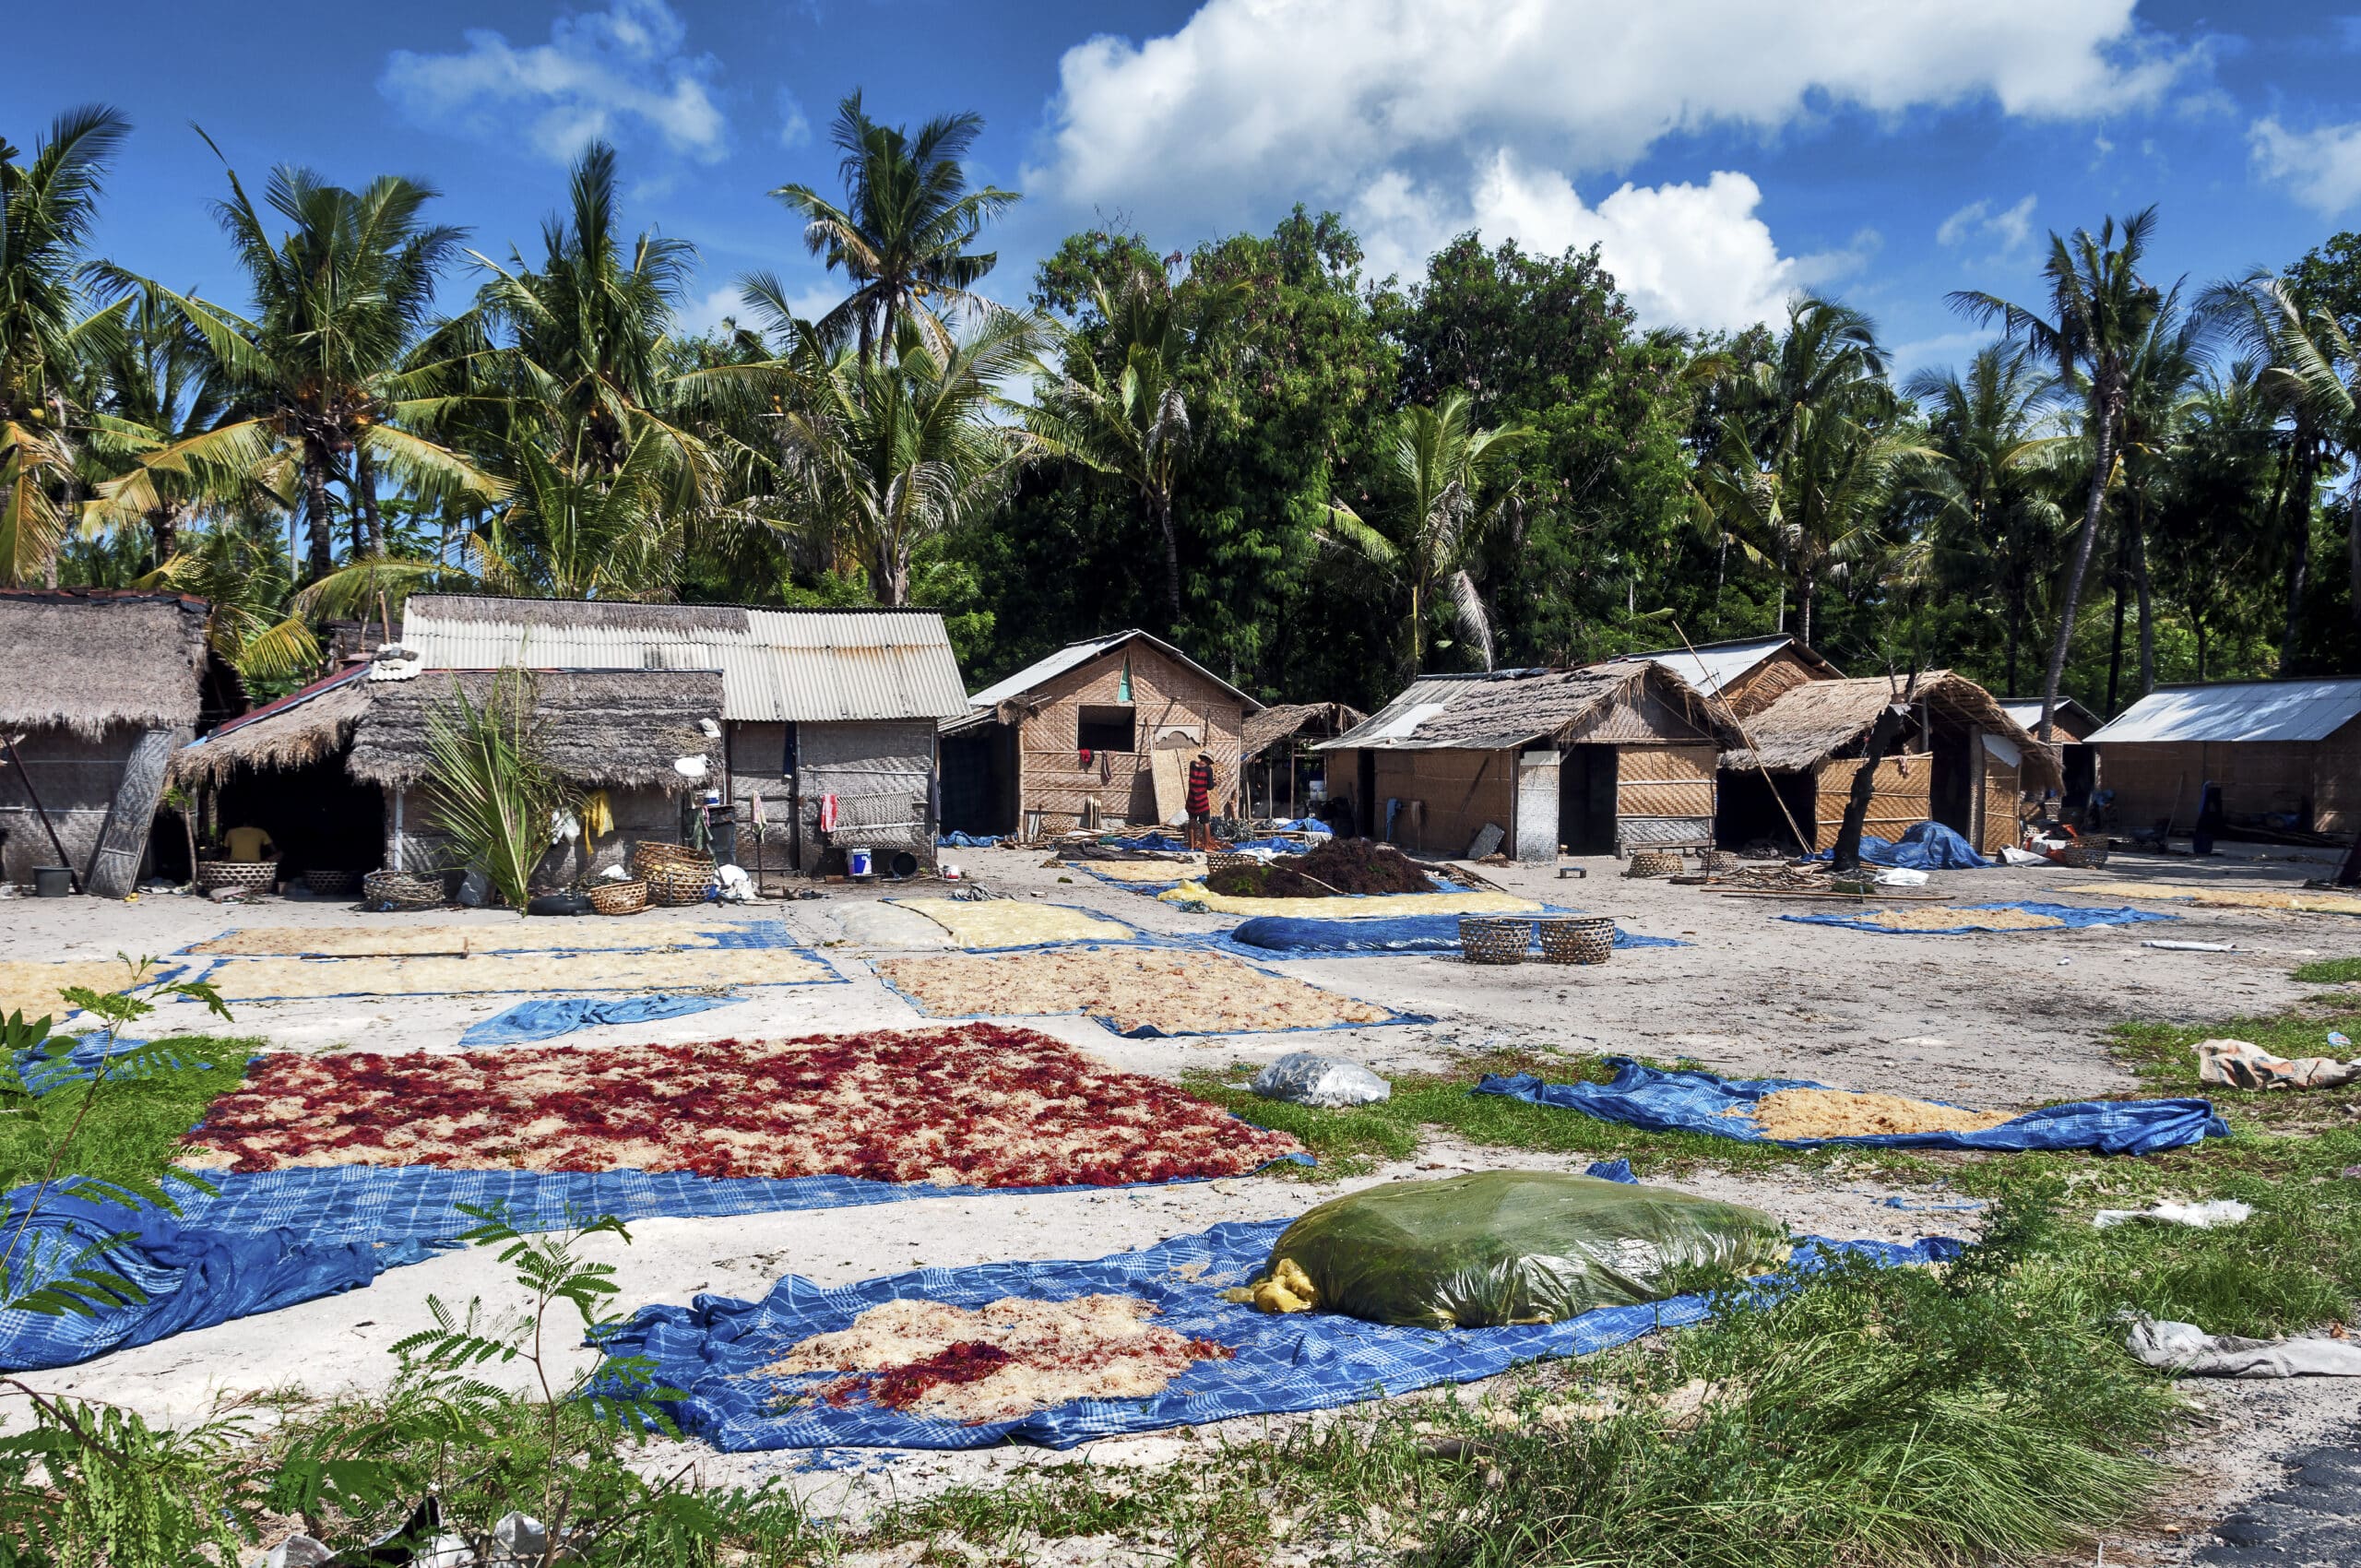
[857, 862]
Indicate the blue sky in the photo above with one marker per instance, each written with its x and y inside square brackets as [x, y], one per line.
[1723, 152]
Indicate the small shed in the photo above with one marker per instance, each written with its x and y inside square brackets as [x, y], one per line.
[98, 688]
[1099, 731]
[1602, 759]
[2286, 753]
[2071, 727]
[1749, 673]
[828, 716]
[1285, 777]
[1961, 760]
[336, 773]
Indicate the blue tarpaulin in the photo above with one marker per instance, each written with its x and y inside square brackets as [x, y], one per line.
[552, 1016]
[1665, 1101]
[965, 841]
[2070, 917]
[715, 1349]
[1927, 846]
[1161, 841]
[1299, 938]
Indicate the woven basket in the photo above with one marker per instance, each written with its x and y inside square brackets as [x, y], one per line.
[678, 884]
[1588, 940]
[1653, 862]
[400, 890]
[1222, 860]
[618, 898]
[1716, 860]
[2083, 852]
[1494, 940]
[649, 853]
[236, 873]
[331, 884]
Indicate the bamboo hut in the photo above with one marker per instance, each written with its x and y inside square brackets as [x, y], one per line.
[1602, 759]
[1749, 673]
[1276, 742]
[1099, 731]
[336, 773]
[2286, 753]
[2071, 726]
[828, 716]
[98, 688]
[1961, 760]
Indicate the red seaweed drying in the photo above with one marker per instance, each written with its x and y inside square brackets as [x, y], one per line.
[978, 1104]
[898, 1388]
[1334, 866]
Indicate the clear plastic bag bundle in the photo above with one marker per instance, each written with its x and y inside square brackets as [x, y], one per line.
[1509, 1247]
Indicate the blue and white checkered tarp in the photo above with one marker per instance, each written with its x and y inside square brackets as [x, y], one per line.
[552, 1016]
[269, 1238]
[2070, 917]
[1292, 937]
[1665, 1101]
[713, 1350]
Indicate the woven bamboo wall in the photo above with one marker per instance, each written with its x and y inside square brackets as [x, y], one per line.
[75, 778]
[1767, 683]
[2003, 786]
[1165, 695]
[2156, 779]
[1665, 781]
[1897, 803]
[1458, 792]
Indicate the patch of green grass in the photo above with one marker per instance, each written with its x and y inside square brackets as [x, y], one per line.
[2330, 971]
[135, 1126]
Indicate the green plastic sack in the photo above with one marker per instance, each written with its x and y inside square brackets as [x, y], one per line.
[1518, 1246]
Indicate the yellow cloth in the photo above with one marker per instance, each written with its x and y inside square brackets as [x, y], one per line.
[598, 814]
[1376, 905]
[254, 979]
[2304, 900]
[248, 844]
[1005, 923]
[30, 986]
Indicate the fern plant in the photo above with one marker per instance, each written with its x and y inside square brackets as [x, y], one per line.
[489, 788]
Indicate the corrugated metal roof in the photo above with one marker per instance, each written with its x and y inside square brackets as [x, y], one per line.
[1493, 711]
[2026, 711]
[2239, 710]
[798, 666]
[1075, 655]
[1716, 665]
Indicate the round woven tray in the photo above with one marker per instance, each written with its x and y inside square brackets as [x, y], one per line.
[402, 890]
[1494, 940]
[1653, 862]
[1587, 940]
[618, 898]
[330, 884]
[1221, 860]
[236, 873]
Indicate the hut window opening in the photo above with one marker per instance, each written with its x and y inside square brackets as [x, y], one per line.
[1124, 686]
[1106, 729]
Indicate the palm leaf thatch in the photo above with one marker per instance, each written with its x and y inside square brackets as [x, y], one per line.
[87, 659]
[1831, 719]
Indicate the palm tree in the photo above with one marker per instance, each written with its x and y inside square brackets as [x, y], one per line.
[908, 446]
[1133, 423]
[1439, 465]
[1811, 455]
[155, 386]
[902, 236]
[2100, 312]
[47, 210]
[2156, 409]
[574, 530]
[1997, 507]
[318, 376]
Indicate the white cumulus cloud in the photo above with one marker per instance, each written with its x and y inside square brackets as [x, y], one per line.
[2322, 166]
[1253, 100]
[602, 74]
[1684, 254]
[2008, 227]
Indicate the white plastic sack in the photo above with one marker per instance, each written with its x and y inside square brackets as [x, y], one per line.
[2012, 856]
[2199, 1216]
[1901, 876]
[2186, 1349]
[1301, 1079]
[2241, 1065]
[736, 886]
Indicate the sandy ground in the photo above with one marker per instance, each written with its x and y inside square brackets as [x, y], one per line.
[2000, 1019]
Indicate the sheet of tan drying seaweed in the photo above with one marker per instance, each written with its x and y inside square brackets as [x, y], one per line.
[1145, 871]
[31, 985]
[1012, 1358]
[1007, 922]
[401, 941]
[1178, 993]
[2301, 900]
[1835, 1113]
[256, 980]
[1951, 920]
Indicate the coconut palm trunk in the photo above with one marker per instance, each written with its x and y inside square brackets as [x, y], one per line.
[2079, 567]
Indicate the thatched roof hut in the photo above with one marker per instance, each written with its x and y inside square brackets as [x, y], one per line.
[621, 728]
[1268, 728]
[1826, 720]
[298, 730]
[86, 660]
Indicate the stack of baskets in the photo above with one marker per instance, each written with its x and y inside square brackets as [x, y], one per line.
[618, 898]
[1491, 939]
[385, 890]
[1580, 940]
[674, 873]
[331, 884]
[1654, 863]
[258, 874]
